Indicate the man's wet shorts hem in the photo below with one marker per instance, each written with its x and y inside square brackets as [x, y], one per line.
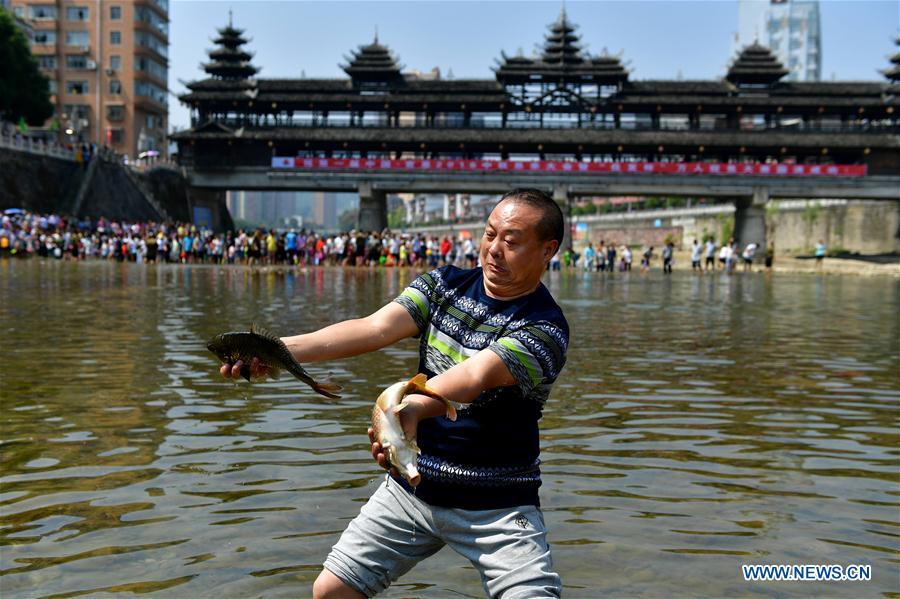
[507, 546]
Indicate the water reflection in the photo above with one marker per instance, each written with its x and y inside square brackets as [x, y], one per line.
[701, 423]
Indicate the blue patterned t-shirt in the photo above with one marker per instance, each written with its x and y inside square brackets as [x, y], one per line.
[489, 457]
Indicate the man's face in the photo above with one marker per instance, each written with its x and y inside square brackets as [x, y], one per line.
[513, 257]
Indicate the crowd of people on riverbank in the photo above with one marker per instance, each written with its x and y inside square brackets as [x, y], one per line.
[24, 234]
[53, 236]
[705, 257]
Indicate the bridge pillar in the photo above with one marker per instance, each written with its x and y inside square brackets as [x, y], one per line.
[750, 218]
[207, 206]
[561, 196]
[372, 208]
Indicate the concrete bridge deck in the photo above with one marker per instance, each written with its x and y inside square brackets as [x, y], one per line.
[873, 187]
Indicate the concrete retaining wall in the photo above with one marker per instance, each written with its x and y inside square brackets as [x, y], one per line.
[37, 183]
[866, 227]
[795, 226]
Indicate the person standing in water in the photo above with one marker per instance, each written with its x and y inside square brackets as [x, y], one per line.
[493, 340]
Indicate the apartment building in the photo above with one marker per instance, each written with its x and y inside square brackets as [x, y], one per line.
[107, 62]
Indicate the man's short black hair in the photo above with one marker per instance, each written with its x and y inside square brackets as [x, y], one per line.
[551, 224]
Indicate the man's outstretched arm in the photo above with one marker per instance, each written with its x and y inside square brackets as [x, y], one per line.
[344, 339]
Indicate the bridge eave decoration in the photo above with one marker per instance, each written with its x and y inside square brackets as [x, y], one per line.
[756, 65]
[561, 62]
[373, 64]
[229, 61]
[892, 73]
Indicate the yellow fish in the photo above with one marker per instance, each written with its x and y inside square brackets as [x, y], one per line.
[400, 451]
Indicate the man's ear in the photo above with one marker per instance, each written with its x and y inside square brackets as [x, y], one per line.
[550, 249]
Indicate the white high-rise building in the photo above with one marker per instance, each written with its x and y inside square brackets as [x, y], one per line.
[790, 28]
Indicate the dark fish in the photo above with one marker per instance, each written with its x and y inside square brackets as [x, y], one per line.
[270, 350]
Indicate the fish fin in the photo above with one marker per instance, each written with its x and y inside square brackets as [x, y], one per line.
[398, 409]
[451, 411]
[417, 384]
[415, 446]
[245, 372]
[263, 332]
[274, 372]
[327, 389]
[418, 380]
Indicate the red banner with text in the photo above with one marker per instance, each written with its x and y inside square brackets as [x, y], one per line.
[569, 167]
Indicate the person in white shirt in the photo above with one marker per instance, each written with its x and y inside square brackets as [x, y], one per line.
[749, 253]
[710, 254]
[469, 251]
[626, 257]
[724, 254]
[695, 256]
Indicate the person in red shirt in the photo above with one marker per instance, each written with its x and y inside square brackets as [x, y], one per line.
[446, 246]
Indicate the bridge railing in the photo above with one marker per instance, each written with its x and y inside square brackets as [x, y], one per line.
[35, 146]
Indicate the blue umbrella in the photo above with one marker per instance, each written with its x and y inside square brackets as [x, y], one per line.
[13, 211]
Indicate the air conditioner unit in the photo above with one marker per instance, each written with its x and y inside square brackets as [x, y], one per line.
[90, 65]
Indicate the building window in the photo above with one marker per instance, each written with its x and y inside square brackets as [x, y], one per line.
[152, 121]
[115, 112]
[41, 12]
[76, 61]
[44, 37]
[142, 38]
[76, 88]
[115, 87]
[115, 62]
[76, 111]
[148, 65]
[77, 38]
[77, 13]
[53, 86]
[146, 15]
[115, 38]
[114, 136]
[115, 13]
[19, 11]
[150, 90]
[47, 61]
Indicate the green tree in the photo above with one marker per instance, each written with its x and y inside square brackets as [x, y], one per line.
[24, 91]
[397, 218]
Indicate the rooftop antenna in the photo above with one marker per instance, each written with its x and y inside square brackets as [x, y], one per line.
[376, 34]
[229, 17]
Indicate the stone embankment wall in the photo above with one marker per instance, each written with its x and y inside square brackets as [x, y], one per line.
[795, 226]
[865, 227]
[46, 184]
[113, 195]
[37, 183]
[170, 189]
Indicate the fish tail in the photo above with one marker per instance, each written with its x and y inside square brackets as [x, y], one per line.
[327, 389]
[417, 384]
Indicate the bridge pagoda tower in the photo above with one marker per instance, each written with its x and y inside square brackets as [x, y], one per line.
[372, 69]
[754, 67]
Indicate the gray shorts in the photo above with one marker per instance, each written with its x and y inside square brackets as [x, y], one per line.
[507, 546]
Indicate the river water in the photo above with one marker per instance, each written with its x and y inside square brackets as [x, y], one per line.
[701, 423]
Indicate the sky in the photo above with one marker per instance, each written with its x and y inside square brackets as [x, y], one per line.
[658, 39]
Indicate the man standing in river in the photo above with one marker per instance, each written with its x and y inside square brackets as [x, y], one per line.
[494, 341]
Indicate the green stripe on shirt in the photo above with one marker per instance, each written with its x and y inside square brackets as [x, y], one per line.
[415, 297]
[524, 358]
